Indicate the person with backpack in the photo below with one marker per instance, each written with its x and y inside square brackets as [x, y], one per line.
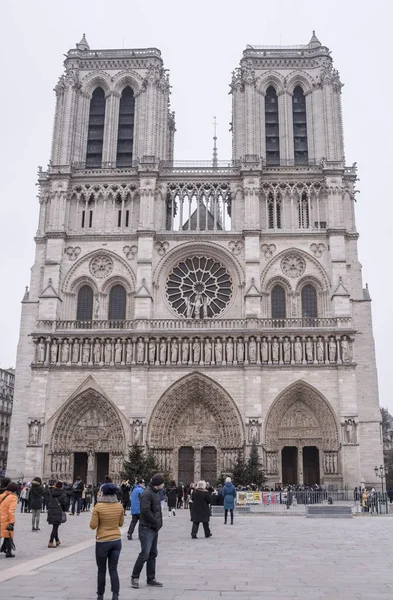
[56, 512]
[8, 502]
[172, 498]
[77, 489]
[136, 506]
[36, 499]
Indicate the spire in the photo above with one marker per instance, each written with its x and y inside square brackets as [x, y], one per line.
[314, 42]
[215, 155]
[83, 45]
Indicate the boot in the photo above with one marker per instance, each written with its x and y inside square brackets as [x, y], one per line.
[8, 553]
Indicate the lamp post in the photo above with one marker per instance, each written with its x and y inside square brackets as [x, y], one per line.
[381, 472]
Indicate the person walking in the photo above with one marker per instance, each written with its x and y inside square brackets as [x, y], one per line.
[36, 499]
[56, 512]
[200, 510]
[8, 502]
[229, 494]
[125, 495]
[45, 497]
[180, 492]
[172, 498]
[77, 489]
[149, 526]
[107, 518]
[136, 506]
[24, 495]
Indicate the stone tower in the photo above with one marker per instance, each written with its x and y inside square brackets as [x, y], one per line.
[197, 308]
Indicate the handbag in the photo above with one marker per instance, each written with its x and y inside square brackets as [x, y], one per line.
[63, 514]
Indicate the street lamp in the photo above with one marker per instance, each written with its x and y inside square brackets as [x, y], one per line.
[381, 472]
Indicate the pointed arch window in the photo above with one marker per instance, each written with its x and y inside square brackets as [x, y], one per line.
[125, 134]
[272, 133]
[278, 302]
[274, 210]
[84, 311]
[309, 302]
[303, 208]
[299, 126]
[117, 303]
[95, 135]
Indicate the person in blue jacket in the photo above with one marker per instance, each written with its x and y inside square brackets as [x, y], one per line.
[136, 506]
[229, 494]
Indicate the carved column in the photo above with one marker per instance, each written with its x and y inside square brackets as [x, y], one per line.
[300, 465]
[197, 464]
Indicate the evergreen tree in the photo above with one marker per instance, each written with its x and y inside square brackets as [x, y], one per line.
[239, 469]
[140, 464]
[254, 472]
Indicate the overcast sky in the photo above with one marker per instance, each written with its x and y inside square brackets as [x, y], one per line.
[201, 44]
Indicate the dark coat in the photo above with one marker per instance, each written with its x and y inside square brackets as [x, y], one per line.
[200, 509]
[77, 489]
[46, 494]
[151, 514]
[36, 496]
[56, 506]
[125, 493]
[172, 497]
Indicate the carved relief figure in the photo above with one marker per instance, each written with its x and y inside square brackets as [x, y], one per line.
[108, 352]
[298, 351]
[252, 350]
[53, 352]
[240, 351]
[350, 431]
[162, 351]
[174, 349]
[86, 352]
[332, 350]
[65, 352]
[185, 348]
[208, 351]
[229, 351]
[140, 351]
[118, 351]
[320, 350]
[287, 350]
[218, 352]
[97, 352]
[275, 350]
[264, 351]
[41, 351]
[35, 433]
[152, 351]
[196, 351]
[197, 306]
[128, 352]
[137, 432]
[206, 301]
[344, 350]
[309, 350]
[253, 432]
[189, 307]
[75, 352]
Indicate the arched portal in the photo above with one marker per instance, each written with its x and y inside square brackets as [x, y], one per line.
[88, 439]
[196, 413]
[302, 438]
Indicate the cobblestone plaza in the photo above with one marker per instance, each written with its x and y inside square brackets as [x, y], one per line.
[259, 557]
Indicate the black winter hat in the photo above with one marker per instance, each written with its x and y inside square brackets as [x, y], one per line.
[157, 480]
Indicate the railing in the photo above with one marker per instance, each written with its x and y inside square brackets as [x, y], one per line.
[139, 52]
[250, 324]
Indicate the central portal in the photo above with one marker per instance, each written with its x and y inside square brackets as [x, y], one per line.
[289, 465]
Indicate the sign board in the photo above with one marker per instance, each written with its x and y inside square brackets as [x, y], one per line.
[247, 498]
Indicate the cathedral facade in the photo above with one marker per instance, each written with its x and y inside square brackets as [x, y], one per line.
[197, 308]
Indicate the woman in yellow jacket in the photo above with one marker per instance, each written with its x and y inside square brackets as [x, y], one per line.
[8, 502]
[107, 518]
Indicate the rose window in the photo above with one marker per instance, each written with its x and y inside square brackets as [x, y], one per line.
[101, 266]
[293, 265]
[199, 288]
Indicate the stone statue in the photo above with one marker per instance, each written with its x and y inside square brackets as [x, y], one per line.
[41, 351]
[350, 431]
[208, 351]
[97, 352]
[137, 432]
[96, 306]
[189, 307]
[253, 434]
[229, 348]
[287, 350]
[128, 352]
[65, 352]
[86, 352]
[275, 350]
[298, 351]
[218, 351]
[240, 351]
[320, 350]
[334, 463]
[75, 352]
[185, 347]
[108, 352]
[140, 351]
[252, 350]
[309, 350]
[196, 348]
[206, 302]
[53, 353]
[174, 349]
[344, 350]
[163, 352]
[332, 350]
[152, 351]
[90, 461]
[35, 430]
[197, 306]
[118, 351]
[264, 351]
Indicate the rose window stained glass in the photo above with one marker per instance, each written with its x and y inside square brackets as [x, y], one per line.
[199, 288]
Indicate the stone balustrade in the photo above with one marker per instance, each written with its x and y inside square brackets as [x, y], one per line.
[249, 324]
[231, 350]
